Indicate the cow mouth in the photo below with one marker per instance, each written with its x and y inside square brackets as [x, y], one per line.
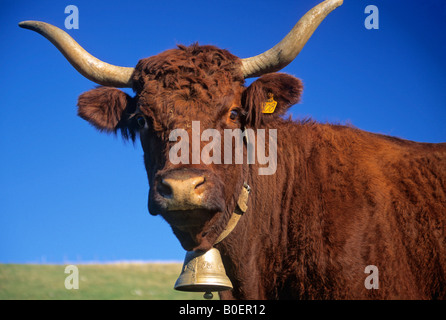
[192, 227]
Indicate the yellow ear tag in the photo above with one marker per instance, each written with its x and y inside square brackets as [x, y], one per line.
[269, 105]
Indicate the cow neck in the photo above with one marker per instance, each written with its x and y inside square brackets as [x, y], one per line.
[240, 207]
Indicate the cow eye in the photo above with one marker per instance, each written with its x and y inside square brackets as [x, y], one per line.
[141, 121]
[233, 115]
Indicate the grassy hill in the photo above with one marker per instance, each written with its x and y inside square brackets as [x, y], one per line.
[135, 281]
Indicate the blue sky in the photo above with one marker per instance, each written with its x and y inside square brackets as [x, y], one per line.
[70, 194]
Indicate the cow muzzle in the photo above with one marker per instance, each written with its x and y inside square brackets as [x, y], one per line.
[182, 191]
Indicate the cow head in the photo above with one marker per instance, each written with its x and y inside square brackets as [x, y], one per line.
[177, 89]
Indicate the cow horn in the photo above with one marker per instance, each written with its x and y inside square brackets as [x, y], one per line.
[286, 50]
[90, 67]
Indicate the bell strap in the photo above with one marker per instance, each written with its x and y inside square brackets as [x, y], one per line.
[240, 209]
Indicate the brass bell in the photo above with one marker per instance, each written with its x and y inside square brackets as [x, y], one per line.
[203, 272]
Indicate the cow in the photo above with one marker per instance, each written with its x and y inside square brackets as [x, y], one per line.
[339, 202]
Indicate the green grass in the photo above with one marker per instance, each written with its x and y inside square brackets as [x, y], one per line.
[123, 281]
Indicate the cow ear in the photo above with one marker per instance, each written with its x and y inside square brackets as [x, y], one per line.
[259, 99]
[107, 109]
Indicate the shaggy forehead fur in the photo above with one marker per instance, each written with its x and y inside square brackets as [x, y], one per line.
[197, 82]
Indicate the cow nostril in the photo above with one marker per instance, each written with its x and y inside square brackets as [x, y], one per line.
[164, 189]
[199, 182]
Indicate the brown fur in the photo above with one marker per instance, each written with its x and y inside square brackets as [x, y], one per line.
[341, 198]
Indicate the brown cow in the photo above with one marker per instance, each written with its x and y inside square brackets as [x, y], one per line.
[340, 200]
